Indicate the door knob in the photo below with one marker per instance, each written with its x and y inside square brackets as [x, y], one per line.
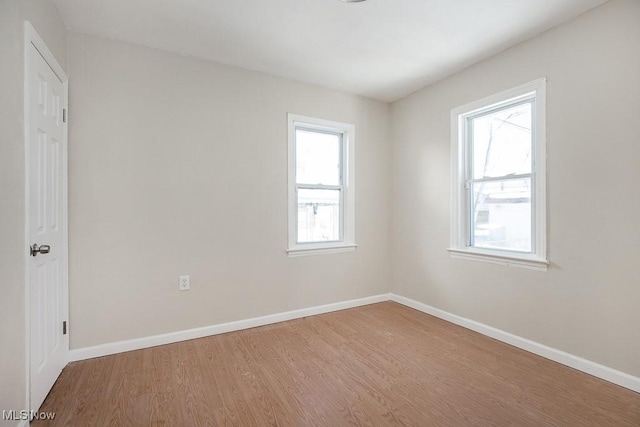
[42, 249]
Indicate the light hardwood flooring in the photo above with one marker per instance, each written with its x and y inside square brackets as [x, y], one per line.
[382, 364]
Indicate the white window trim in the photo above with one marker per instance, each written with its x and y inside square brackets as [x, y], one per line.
[347, 243]
[459, 225]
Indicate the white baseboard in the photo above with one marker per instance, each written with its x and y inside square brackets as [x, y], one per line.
[609, 374]
[172, 337]
[604, 372]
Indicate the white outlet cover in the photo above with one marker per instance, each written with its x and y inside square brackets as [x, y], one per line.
[184, 283]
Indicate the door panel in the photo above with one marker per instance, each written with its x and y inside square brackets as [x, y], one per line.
[47, 197]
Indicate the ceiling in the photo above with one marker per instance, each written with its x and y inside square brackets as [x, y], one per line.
[382, 49]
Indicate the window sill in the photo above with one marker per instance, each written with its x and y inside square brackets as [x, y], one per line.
[510, 260]
[321, 250]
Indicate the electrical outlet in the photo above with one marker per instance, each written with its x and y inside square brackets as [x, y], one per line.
[184, 283]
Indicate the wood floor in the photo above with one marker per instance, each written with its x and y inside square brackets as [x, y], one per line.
[382, 364]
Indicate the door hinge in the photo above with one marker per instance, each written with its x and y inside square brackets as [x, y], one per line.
[64, 328]
[64, 115]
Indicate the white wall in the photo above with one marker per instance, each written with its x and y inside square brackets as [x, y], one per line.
[44, 17]
[179, 166]
[587, 303]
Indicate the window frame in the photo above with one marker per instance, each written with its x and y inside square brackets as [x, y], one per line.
[346, 241]
[461, 149]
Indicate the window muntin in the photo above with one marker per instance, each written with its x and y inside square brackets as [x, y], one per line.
[321, 207]
[498, 178]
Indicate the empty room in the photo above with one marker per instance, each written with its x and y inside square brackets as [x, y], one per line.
[320, 212]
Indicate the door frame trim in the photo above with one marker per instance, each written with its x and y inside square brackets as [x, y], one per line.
[32, 40]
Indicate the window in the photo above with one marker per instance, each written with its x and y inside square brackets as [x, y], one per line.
[498, 182]
[321, 186]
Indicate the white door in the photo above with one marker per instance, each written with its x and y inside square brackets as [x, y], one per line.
[46, 175]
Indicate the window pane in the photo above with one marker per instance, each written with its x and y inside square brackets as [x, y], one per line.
[502, 142]
[318, 215]
[502, 214]
[317, 157]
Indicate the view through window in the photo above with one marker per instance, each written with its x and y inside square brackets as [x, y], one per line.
[500, 178]
[319, 185]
